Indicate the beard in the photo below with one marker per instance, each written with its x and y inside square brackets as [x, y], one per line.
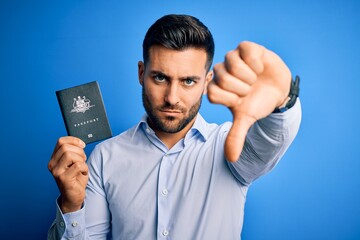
[169, 124]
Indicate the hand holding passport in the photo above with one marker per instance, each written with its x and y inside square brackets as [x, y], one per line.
[83, 111]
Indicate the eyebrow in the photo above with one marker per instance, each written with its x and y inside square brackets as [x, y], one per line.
[197, 78]
[194, 77]
[154, 73]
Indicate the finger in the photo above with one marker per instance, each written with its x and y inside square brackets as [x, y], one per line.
[78, 169]
[78, 173]
[218, 95]
[252, 54]
[69, 140]
[66, 152]
[65, 162]
[228, 82]
[70, 148]
[238, 68]
[235, 139]
[66, 144]
[279, 76]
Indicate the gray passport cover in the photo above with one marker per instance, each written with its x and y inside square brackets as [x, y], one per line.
[83, 111]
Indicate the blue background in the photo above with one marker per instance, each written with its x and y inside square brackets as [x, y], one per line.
[49, 45]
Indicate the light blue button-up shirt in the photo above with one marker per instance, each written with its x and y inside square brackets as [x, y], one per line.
[140, 189]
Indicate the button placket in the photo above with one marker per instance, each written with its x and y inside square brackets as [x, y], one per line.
[163, 201]
[165, 190]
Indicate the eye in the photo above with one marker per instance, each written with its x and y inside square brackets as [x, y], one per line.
[160, 78]
[189, 82]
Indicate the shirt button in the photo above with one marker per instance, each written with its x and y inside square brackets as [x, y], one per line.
[165, 192]
[165, 233]
[148, 130]
[74, 224]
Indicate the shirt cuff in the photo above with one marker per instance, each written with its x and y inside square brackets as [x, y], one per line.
[70, 225]
[292, 110]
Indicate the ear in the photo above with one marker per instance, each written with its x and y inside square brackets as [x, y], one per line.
[208, 79]
[141, 71]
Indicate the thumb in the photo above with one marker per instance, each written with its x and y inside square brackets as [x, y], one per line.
[235, 139]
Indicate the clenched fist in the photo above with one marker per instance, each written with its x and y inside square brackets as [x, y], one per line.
[252, 81]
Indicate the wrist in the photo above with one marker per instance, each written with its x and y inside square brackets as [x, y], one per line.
[291, 99]
[284, 102]
[67, 207]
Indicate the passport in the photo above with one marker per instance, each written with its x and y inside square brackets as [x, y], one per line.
[83, 110]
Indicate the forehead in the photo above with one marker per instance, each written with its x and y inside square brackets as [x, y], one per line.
[188, 61]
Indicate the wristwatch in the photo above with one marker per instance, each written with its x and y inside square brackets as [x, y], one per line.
[293, 95]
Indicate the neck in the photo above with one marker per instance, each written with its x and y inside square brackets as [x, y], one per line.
[170, 139]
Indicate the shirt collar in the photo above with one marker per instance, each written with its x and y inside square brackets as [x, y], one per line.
[200, 126]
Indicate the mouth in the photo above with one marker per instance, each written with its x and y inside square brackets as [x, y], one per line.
[170, 112]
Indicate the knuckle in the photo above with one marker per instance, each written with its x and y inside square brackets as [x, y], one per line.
[211, 98]
[65, 148]
[251, 58]
[56, 173]
[217, 67]
[223, 81]
[212, 95]
[231, 65]
[77, 165]
[220, 74]
[243, 45]
[61, 141]
[66, 140]
[50, 166]
[252, 77]
[69, 155]
[229, 55]
[61, 178]
[247, 44]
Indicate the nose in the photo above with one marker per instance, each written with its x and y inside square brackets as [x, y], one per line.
[172, 94]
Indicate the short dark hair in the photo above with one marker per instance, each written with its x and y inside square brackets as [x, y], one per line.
[179, 32]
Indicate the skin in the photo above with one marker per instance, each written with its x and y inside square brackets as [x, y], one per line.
[252, 81]
[68, 167]
[173, 83]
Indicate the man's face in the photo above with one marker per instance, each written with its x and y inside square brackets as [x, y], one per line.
[173, 84]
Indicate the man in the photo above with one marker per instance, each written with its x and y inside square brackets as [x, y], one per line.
[174, 175]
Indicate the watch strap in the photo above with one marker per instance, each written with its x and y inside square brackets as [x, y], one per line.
[293, 95]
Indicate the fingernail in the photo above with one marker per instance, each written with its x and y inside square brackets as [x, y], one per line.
[83, 145]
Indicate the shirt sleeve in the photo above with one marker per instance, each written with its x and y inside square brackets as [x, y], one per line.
[68, 226]
[92, 221]
[98, 217]
[265, 144]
